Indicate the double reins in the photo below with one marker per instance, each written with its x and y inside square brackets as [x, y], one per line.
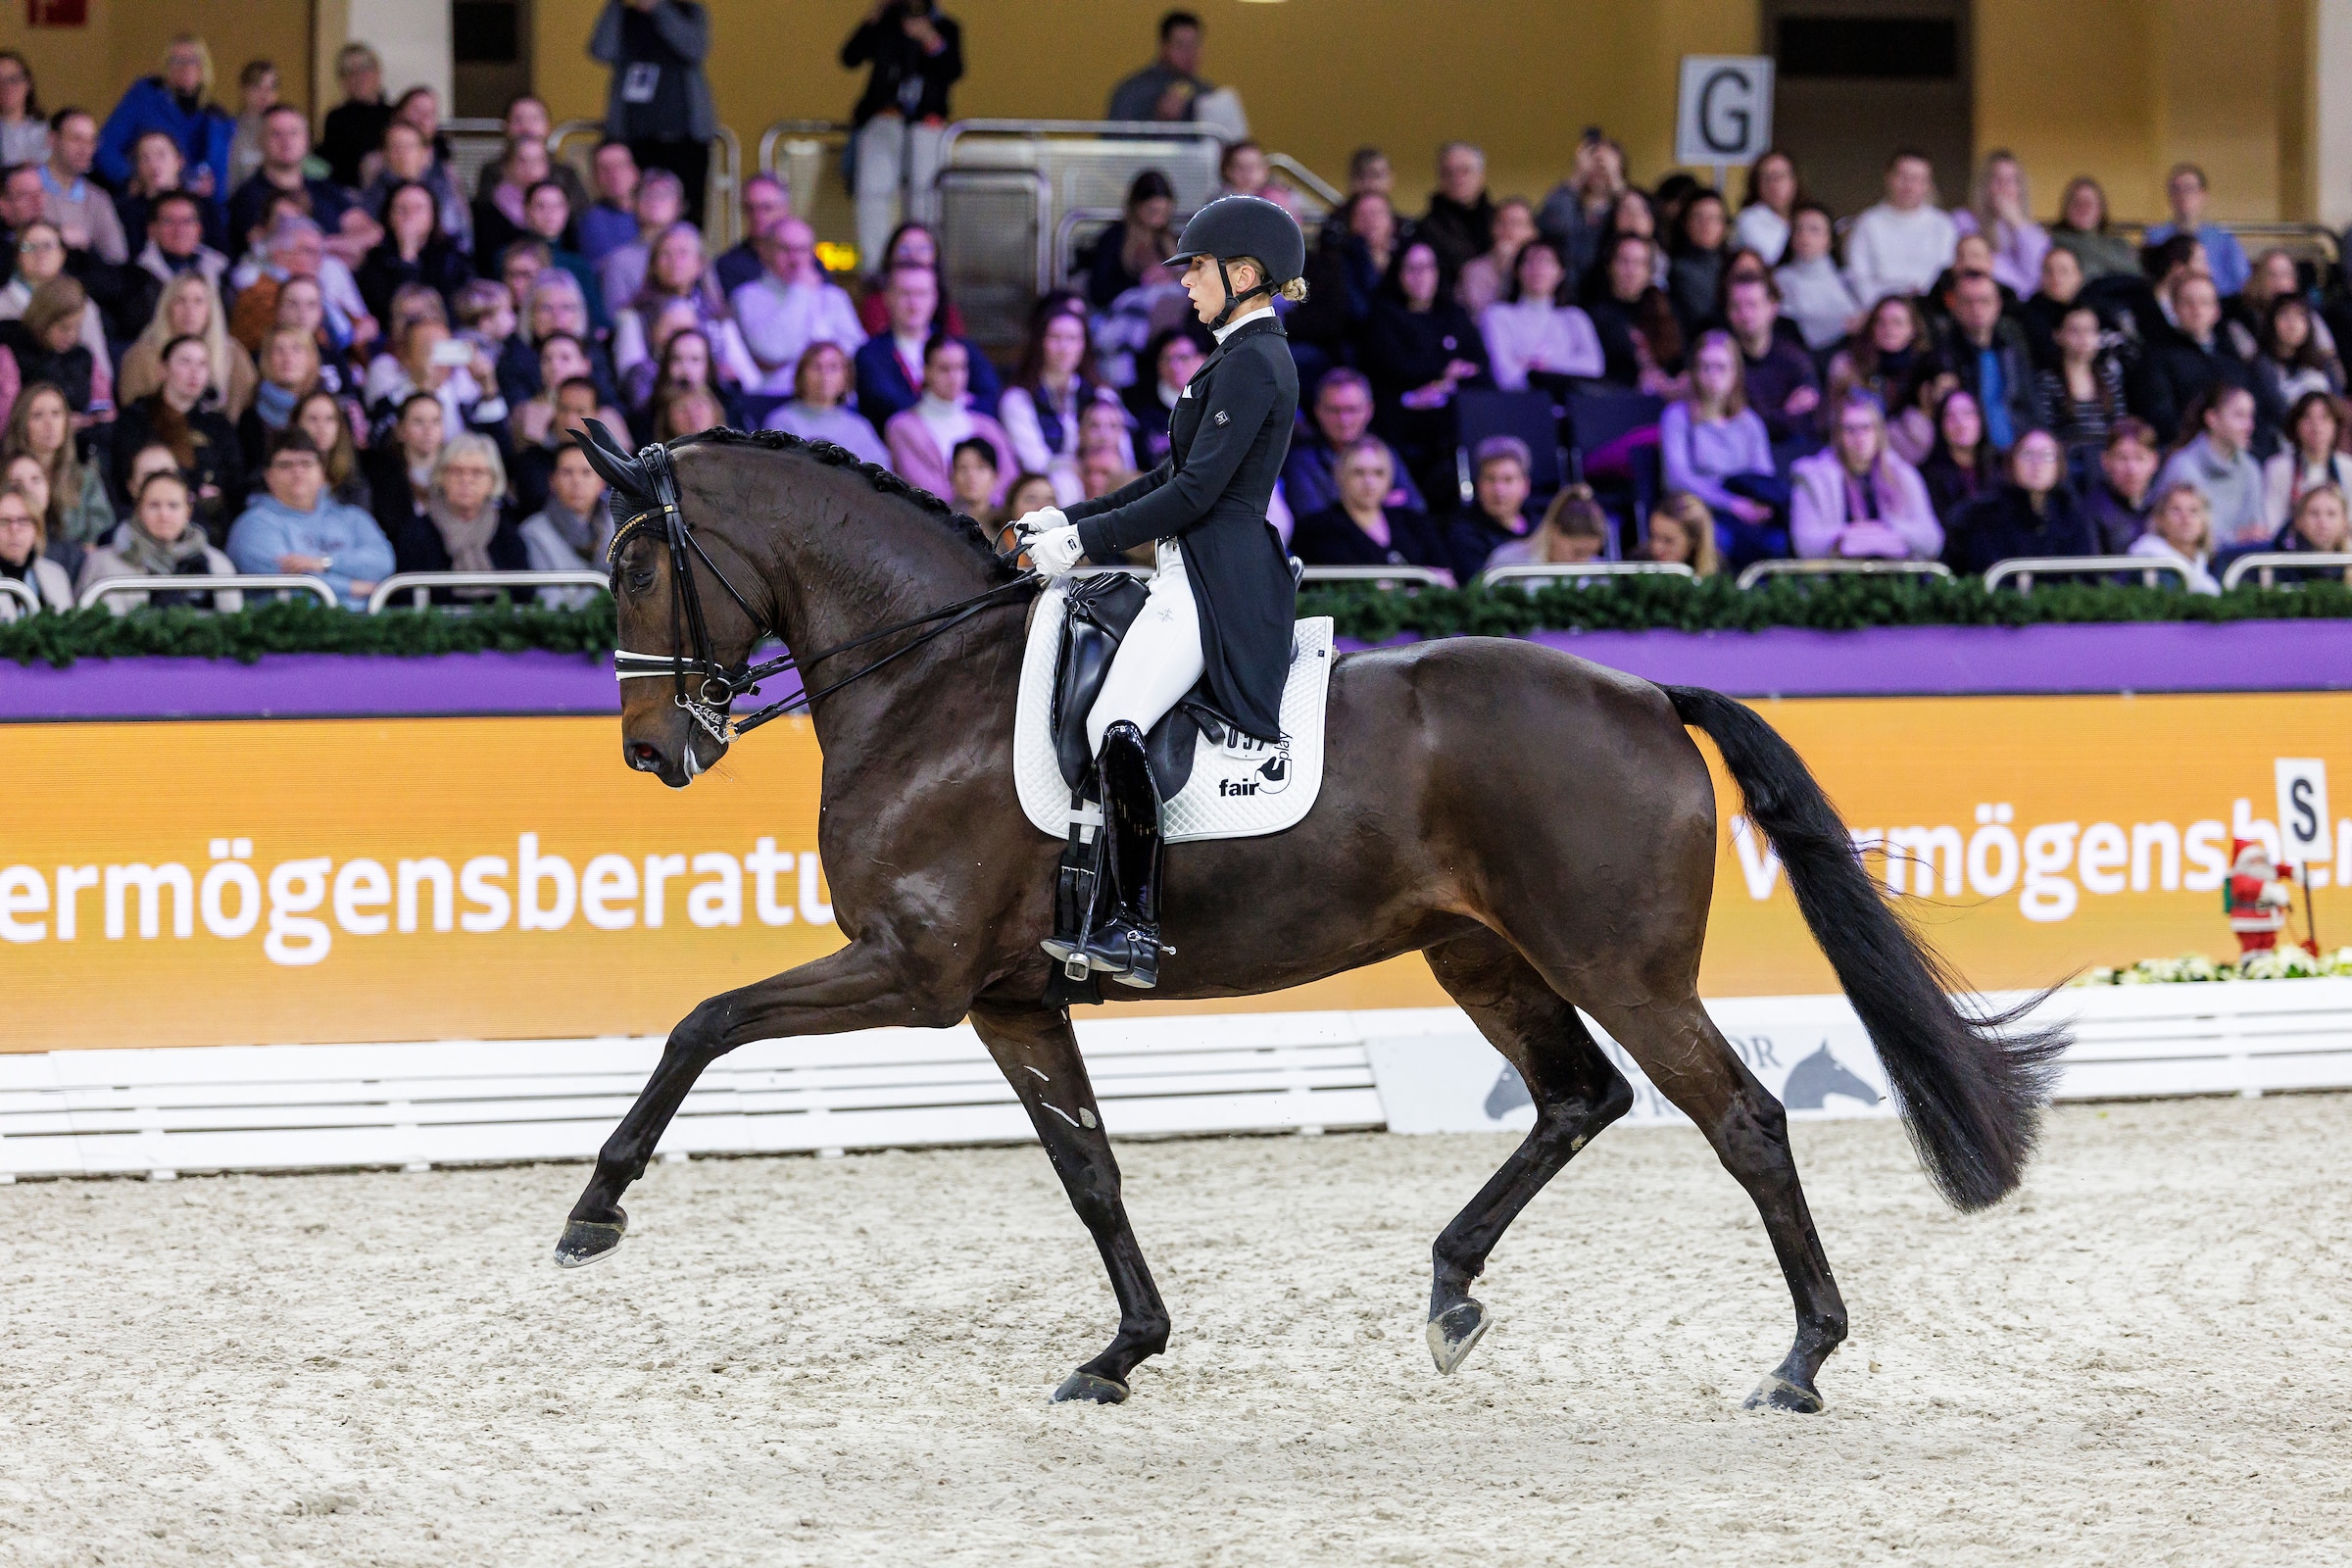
[714, 686]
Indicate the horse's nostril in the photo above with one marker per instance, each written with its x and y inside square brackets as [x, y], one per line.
[645, 756]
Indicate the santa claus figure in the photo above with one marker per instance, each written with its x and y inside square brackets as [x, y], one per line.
[2255, 897]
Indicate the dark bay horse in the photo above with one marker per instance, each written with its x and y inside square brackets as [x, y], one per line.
[1540, 829]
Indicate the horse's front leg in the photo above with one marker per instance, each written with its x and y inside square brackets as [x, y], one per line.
[864, 986]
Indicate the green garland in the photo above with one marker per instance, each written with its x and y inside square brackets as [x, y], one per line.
[1362, 612]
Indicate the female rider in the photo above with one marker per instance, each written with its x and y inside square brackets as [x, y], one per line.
[1221, 602]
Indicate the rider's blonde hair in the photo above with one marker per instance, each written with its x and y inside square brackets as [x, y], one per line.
[1295, 290]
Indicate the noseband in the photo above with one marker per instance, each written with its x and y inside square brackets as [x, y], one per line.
[706, 688]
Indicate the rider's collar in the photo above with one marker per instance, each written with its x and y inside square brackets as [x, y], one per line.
[1242, 321]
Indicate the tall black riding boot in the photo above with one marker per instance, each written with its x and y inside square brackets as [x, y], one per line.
[1125, 944]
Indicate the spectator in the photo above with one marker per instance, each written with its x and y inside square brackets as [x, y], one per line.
[1534, 333]
[502, 210]
[2083, 396]
[922, 439]
[301, 306]
[420, 107]
[527, 120]
[686, 363]
[1769, 209]
[819, 407]
[1421, 348]
[555, 304]
[1341, 417]
[355, 128]
[567, 405]
[912, 245]
[1362, 528]
[1641, 341]
[684, 410]
[172, 243]
[2081, 231]
[1695, 275]
[1813, 293]
[2217, 459]
[23, 543]
[574, 529]
[2184, 187]
[321, 416]
[660, 205]
[157, 171]
[257, 95]
[537, 419]
[2290, 361]
[175, 416]
[2060, 291]
[1782, 384]
[42, 253]
[2322, 523]
[22, 197]
[1960, 464]
[294, 248]
[50, 343]
[408, 158]
[660, 102]
[547, 216]
[24, 129]
[2312, 455]
[611, 219]
[2182, 364]
[413, 250]
[916, 54]
[1130, 251]
[160, 540]
[466, 525]
[174, 103]
[2117, 503]
[679, 273]
[285, 148]
[1242, 170]
[82, 212]
[1342, 277]
[2180, 531]
[765, 204]
[1054, 384]
[189, 308]
[1170, 361]
[972, 478]
[76, 510]
[1576, 214]
[294, 527]
[1713, 445]
[891, 367]
[2032, 514]
[2000, 210]
[2274, 277]
[1461, 220]
[1574, 530]
[1900, 245]
[1028, 493]
[401, 463]
[1987, 353]
[790, 305]
[1682, 532]
[426, 358]
[1166, 88]
[1498, 510]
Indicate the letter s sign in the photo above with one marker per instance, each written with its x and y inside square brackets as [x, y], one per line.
[1724, 110]
[2303, 825]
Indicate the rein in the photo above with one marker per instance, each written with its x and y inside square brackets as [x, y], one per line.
[715, 686]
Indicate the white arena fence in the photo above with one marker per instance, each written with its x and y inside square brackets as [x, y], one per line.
[159, 1113]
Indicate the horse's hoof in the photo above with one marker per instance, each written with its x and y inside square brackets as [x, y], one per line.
[1777, 1393]
[1454, 1333]
[585, 1241]
[1093, 1388]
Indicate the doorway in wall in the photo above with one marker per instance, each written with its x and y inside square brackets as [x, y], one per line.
[490, 50]
[1854, 79]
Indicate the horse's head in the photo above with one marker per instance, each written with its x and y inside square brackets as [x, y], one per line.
[680, 624]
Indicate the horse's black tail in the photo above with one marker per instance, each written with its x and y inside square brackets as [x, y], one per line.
[1970, 1087]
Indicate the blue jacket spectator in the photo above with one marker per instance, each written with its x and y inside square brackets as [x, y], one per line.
[298, 527]
[2223, 253]
[173, 103]
[890, 367]
[1342, 415]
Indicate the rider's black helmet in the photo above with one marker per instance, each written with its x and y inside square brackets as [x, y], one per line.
[1233, 227]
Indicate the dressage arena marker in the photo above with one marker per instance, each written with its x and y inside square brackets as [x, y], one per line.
[162, 1113]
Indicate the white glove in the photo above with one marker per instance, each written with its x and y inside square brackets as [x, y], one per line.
[1055, 552]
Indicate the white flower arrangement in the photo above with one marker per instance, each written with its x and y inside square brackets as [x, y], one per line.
[2278, 963]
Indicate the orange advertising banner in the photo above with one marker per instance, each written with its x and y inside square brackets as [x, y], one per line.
[339, 880]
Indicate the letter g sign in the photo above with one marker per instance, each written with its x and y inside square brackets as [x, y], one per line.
[1724, 110]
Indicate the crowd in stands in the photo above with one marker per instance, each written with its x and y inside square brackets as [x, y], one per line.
[225, 345]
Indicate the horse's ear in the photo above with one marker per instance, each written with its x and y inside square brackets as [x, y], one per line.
[609, 459]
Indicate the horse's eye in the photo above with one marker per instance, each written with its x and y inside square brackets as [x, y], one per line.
[638, 580]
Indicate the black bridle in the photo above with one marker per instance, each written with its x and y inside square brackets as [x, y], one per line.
[705, 687]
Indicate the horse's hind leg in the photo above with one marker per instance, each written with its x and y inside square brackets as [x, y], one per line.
[1039, 1054]
[1692, 1064]
[1577, 1092]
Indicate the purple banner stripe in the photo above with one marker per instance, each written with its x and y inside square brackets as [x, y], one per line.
[1885, 661]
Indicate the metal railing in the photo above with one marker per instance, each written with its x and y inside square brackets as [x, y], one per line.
[9, 588]
[2265, 565]
[238, 583]
[474, 146]
[1578, 571]
[420, 585]
[1305, 179]
[1762, 569]
[1418, 576]
[796, 152]
[722, 218]
[2024, 568]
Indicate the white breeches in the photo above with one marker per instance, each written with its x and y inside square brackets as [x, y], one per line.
[1159, 661]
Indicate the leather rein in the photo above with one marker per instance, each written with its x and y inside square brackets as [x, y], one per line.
[706, 688]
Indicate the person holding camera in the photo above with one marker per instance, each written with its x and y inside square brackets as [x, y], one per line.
[916, 54]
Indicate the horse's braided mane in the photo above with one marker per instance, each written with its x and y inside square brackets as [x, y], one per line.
[881, 479]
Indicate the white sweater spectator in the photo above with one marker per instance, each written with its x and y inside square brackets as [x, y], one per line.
[1895, 252]
[790, 306]
[1532, 334]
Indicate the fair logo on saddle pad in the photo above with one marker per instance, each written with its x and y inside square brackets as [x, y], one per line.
[1268, 765]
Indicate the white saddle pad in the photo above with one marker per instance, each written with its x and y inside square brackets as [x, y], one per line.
[1237, 791]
